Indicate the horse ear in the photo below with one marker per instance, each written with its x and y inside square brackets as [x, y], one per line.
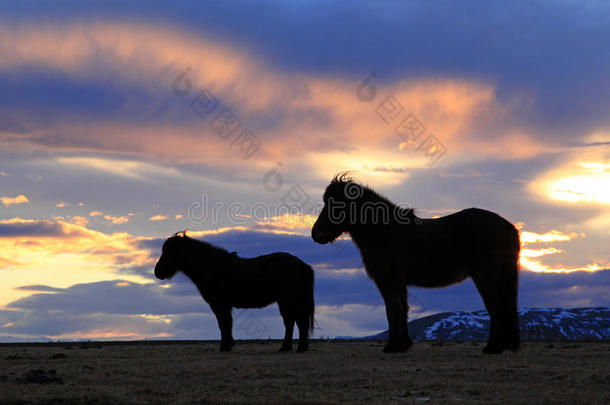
[343, 177]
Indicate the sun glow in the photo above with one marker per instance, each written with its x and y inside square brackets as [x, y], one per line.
[61, 254]
[589, 182]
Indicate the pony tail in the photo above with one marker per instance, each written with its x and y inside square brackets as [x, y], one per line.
[312, 305]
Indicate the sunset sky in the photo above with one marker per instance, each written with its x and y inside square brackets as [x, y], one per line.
[123, 123]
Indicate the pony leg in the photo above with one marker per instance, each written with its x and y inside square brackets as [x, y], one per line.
[303, 324]
[510, 315]
[225, 323]
[396, 309]
[490, 292]
[404, 318]
[288, 317]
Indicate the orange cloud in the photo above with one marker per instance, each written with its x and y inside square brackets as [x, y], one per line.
[551, 236]
[59, 253]
[116, 220]
[158, 218]
[528, 257]
[115, 332]
[287, 223]
[20, 199]
[322, 119]
[78, 220]
[125, 168]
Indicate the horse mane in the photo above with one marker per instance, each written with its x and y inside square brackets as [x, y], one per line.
[203, 246]
[342, 179]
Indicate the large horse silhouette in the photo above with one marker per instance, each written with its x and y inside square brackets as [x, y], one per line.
[400, 249]
[227, 281]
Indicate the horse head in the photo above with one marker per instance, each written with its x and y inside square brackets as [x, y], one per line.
[339, 198]
[172, 256]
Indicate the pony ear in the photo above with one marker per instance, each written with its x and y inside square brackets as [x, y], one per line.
[181, 234]
[343, 177]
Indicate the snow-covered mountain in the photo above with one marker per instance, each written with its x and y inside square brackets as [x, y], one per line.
[537, 324]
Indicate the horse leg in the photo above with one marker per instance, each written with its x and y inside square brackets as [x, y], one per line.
[489, 291]
[396, 308]
[225, 323]
[289, 318]
[404, 318]
[303, 324]
[510, 315]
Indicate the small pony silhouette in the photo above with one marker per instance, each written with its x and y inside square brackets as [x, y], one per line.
[399, 249]
[227, 281]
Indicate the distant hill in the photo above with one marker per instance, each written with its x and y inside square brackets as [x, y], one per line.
[13, 339]
[537, 324]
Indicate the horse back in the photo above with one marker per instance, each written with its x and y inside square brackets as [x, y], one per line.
[449, 249]
[259, 281]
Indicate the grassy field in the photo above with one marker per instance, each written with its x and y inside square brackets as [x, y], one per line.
[333, 372]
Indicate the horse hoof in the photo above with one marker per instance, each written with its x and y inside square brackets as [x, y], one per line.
[226, 347]
[493, 349]
[397, 347]
[514, 348]
[514, 345]
[285, 349]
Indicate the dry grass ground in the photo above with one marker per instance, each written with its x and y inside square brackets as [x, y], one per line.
[333, 372]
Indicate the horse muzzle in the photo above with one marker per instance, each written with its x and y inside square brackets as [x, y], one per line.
[320, 237]
[158, 273]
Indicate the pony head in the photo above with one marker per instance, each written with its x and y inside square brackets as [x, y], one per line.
[172, 257]
[341, 194]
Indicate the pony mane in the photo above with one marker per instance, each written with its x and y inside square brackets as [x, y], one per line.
[202, 245]
[341, 180]
[343, 177]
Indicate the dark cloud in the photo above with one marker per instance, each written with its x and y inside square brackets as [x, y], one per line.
[250, 243]
[53, 323]
[38, 90]
[354, 287]
[41, 227]
[112, 297]
[555, 51]
[577, 289]
[536, 290]
[341, 254]
[112, 305]
[339, 288]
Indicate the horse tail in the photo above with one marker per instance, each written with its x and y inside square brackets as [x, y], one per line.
[517, 244]
[513, 338]
[312, 306]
